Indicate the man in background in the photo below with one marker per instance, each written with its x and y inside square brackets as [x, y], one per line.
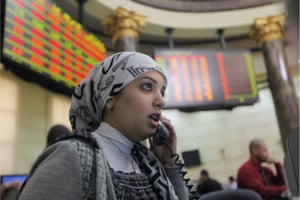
[232, 183]
[56, 131]
[252, 175]
[207, 184]
[9, 191]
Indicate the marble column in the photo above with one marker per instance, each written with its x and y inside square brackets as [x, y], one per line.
[268, 32]
[124, 26]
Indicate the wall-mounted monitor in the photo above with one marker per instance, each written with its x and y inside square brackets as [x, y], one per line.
[207, 79]
[42, 43]
[9, 178]
[191, 158]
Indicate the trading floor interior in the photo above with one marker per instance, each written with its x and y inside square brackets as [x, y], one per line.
[212, 135]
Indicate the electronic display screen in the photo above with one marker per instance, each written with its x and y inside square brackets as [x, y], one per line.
[42, 43]
[207, 79]
[12, 178]
[191, 158]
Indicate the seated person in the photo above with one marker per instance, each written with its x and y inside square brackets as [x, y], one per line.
[10, 190]
[232, 183]
[252, 175]
[207, 184]
[56, 131]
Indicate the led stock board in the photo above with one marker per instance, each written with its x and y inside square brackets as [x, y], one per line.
[207, 79]
[42, 43]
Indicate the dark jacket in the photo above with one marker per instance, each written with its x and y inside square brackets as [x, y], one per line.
[209, 185]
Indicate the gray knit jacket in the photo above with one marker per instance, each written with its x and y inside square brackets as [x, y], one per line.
[74, 170]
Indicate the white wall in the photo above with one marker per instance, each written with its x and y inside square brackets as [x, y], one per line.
[27, 111]
[222, 137]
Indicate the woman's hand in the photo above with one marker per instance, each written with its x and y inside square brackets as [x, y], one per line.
[162, 152]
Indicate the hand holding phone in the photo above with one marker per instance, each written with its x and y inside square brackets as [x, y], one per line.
[164, 143]
[161, 134]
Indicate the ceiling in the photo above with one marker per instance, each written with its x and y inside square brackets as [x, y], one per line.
[204, 5]
[194, 22]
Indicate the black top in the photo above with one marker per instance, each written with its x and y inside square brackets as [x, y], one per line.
[209, 185]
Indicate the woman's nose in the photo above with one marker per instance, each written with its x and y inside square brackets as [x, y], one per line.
[159, 101]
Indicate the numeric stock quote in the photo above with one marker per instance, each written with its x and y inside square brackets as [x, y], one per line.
[43, 43]
[207, 79]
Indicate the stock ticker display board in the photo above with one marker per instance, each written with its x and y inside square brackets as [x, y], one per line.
[42, 43]
[207, 79]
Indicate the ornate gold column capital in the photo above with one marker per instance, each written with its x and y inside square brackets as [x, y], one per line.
[268, 28]
[123, 23]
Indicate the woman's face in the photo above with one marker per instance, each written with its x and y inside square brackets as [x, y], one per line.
[137, 109]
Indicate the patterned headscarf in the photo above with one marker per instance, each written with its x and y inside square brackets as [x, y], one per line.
[104, 81]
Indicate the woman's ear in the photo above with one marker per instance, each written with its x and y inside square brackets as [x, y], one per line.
[110, 104]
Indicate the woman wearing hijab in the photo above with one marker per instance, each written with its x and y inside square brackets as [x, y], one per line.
[118, 106]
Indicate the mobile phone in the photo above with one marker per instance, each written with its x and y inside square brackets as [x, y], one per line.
[161, 134]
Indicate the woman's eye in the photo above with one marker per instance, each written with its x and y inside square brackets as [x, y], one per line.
[147, 86]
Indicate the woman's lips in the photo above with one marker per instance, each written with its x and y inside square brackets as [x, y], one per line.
[154, 122]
